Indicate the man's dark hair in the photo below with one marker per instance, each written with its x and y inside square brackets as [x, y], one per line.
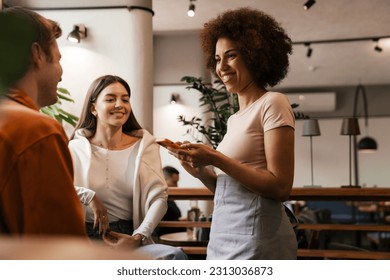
[169, 171]
[20, 29]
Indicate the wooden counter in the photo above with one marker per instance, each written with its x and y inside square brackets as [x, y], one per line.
[323, 194]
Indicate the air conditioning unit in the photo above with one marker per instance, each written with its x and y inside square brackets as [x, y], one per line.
[314, 101]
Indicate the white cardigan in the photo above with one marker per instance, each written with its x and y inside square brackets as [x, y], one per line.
[149, 186]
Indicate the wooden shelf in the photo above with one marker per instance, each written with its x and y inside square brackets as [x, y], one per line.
[338, 193]
[308, 253]
[322, 194]
[344, 254]
[352, 227]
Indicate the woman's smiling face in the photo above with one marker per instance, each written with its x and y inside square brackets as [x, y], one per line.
[230, 66]
[112, 107]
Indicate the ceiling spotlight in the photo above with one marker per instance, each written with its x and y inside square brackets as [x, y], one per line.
[191, 9]
[309, 50]
[174, 98]
[308, 4]
[79, 32]
[377, 48]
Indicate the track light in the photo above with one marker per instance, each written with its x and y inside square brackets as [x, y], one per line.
[377, 48]
[174, 98]
[308, 4]
[309, 50]
[79, 32]
[191, 9]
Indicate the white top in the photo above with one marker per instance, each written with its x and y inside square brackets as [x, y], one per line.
[244, 139]
[148, 186]
[112, 181]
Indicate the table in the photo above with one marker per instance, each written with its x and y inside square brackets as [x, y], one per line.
[181, 239]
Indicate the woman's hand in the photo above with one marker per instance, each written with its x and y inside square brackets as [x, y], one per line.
[196, 155]
[100, 215]
[195, 158]
[122, 241]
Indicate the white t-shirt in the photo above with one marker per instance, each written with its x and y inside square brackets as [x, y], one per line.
[112, 181]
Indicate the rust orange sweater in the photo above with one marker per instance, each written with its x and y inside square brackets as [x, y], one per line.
[37, 196]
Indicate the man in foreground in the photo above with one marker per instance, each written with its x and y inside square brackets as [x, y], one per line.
[37, 196]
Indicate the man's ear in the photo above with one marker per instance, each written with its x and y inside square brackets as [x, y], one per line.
[37, 54]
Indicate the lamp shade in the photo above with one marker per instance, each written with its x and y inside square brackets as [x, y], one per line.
[350, 126]
[311, 128]
[367, 145]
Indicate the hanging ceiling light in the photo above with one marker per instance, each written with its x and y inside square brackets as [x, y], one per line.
[191, 9]
[308, 4]
[367, 145]
[79, 32]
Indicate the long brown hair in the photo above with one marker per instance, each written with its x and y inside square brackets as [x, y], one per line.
[88, 120]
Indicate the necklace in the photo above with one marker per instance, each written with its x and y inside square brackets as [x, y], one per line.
[108, 147]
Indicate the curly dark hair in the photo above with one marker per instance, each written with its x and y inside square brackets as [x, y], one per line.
[261, 40]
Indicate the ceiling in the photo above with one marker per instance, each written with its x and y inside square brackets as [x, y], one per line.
[334, 64]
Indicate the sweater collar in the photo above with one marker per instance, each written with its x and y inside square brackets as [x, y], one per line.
[21, 97]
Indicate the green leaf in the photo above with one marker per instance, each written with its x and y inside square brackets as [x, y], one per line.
[61, 96]
[56, 112]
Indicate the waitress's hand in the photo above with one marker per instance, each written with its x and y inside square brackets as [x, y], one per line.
[100, 215]
[193, 157]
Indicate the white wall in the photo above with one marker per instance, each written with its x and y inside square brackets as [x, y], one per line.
[178, 56]
[165, 125]
[331, 155]
[106, 50]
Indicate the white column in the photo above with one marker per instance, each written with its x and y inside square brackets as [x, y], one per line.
[141, 61]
